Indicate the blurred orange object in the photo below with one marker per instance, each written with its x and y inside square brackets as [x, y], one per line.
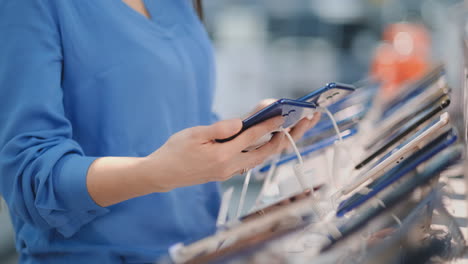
[403, 56]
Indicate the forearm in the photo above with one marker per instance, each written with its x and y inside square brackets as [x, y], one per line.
[111, 180]
[189, 157]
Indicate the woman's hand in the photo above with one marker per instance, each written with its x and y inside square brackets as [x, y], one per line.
[193, 157]
[188, 158]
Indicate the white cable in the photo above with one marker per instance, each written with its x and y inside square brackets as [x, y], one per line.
[244, 192]
[224, 208]
[298, 168]
[293, 145]
[298, 171]
[335, 125]
[397, 220]
[376, 202]
[266, 182]
[335, 170]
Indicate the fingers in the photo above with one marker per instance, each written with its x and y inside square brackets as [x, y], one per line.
[264, 103]
[252, 135]
[219, 130]
[298, 131]
[315, 118]
[256, 157]
[249, 137]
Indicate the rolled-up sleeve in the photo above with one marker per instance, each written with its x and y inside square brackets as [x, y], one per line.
[42, 169]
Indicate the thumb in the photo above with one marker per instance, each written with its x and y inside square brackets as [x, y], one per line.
[223, 129]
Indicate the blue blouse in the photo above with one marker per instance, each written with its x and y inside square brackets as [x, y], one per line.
[86, 79]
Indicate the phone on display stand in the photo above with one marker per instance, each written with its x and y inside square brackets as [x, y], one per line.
[283, 202]
[287, 218]
[293, 110]
[363, 95]
[410, 164]
[329, 94]
[400, 153]
[385, 128]
[406, 130]
[397, 196]
[434, 78]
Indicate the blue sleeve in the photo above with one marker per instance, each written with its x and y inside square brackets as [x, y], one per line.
[42, 170]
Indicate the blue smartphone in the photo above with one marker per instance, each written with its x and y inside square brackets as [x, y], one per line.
[399, 195]
[328, 95]
[363, 95]
[295, 110]
[424, 154]
[347, 112]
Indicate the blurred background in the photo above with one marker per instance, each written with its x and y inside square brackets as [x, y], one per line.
[277, 48]
[285, 49]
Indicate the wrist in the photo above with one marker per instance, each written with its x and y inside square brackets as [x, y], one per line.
[154, 174]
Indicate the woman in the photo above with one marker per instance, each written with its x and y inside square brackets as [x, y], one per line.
[107, 149]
